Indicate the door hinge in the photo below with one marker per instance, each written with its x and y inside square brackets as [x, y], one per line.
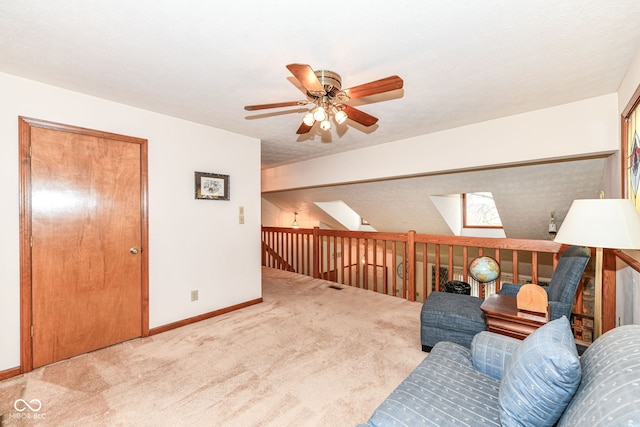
[31, 331]
[30, 151]
[31, 241]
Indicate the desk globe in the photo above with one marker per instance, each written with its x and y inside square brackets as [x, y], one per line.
[484, 269]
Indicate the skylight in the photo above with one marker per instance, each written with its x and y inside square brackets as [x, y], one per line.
[346, 216]
[470, 214]
[479, 210]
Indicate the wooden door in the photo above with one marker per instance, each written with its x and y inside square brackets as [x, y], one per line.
[87, 241]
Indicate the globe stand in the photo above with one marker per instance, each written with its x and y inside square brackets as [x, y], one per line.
[484, 270]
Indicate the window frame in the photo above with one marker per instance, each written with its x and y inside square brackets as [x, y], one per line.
[465, 224]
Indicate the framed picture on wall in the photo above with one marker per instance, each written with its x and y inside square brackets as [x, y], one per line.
[212, 186]
[631, 150]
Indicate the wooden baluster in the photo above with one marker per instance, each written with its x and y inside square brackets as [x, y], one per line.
[450, 275]
[534, 267]
[365, 273]
[349, 262]
[358, 264]
[496, 256]
[425, 259]
[300, 250]
[385, 273]
[270, 248]
[274, 249]
[289, 243]
[404, 269]
[263, 233]
[375, 265]
[394, 283]
[340, 271]
[465, 263]
[282, 252]
[335, 259]
[310, 255]
[437, 268]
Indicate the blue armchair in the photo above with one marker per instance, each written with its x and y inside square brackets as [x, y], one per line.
[458, 318]
[562, 288]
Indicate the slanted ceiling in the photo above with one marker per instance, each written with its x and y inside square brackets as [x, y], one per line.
[525, 197]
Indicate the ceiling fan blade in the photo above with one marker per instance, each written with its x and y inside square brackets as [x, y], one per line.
[304, 128]
[275, 105]
[359, 116]
[378, 86]
[304, 73]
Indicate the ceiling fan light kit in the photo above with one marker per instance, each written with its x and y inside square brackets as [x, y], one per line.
[339, 115]
[324, 91]
[308, 119]
[319, 113]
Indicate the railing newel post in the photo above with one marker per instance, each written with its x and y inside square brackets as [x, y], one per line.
[316, 252]
[411, 243]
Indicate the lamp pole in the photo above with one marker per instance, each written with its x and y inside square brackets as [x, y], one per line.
[597, 311]
[601, 223]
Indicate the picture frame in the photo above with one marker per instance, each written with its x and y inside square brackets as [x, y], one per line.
[212, 186]
[630, 150]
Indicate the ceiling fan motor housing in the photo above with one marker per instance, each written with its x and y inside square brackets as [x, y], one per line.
[329, 79]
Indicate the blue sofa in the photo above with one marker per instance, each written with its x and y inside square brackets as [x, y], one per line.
[541, 381]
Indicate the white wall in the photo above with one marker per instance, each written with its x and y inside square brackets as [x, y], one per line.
[577, 129]
[193, 244]
[274, 216]
[450, 207]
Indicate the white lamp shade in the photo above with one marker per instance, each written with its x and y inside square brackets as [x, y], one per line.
[308, 119]
[601, 223]
[339, 115]
[319, 114]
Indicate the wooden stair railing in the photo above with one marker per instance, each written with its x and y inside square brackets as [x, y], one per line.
[280, 262]
[404, 264]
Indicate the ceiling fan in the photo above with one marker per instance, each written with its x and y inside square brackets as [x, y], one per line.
[324, 91]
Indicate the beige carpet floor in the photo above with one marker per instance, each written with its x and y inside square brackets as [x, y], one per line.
[309, 355]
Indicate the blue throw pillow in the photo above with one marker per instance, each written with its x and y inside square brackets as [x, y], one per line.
[541, 377]
[490, 352]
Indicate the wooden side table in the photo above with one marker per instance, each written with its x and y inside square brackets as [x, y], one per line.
[503, 317]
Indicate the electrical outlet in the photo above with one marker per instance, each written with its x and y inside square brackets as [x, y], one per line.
[241, 215]
[194, 295]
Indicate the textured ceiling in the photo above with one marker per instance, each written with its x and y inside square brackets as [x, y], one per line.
[525, 197]
[462, 62]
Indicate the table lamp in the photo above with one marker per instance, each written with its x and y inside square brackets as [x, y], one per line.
[601, 223]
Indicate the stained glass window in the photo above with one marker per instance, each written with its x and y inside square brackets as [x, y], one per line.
[633, 158]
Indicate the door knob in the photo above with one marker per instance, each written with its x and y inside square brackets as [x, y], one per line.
[134, 250]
